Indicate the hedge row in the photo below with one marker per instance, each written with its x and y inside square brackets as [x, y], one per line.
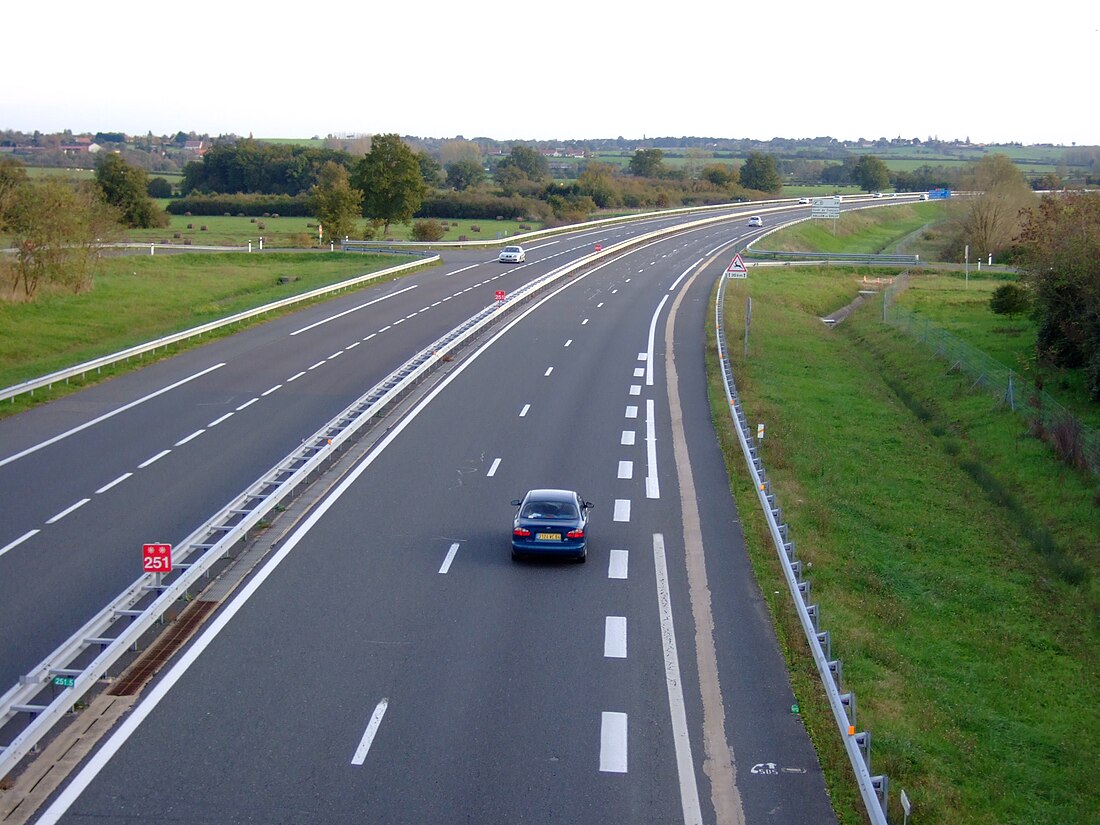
[251, 205]
[481, 206]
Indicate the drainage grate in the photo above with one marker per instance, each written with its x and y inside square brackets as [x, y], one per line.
[153, 659]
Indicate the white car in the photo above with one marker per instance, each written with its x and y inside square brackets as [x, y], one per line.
[803, 200]
[512, 255]
[756, 220]
[876, 195]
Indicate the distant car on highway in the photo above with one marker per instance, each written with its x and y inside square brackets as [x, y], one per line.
[512, 255]
[876, 194]
[803, 200]
[756, 220]
[551, 522]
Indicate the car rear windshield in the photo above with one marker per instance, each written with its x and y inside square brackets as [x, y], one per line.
[549, 509]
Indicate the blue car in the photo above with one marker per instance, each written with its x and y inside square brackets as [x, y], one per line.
[551, 523]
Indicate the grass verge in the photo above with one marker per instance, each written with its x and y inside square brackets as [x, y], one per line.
[859, 231]
[141, 298]
[949, 551]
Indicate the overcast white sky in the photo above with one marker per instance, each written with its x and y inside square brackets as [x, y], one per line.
[557, 70]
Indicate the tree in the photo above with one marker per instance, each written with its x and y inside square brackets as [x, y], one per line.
[430, 170]
[390, 180]
[647, 163]
[759, 173]
[1059, 257]
[871, 174]
[1010, 300]
[597, 181]
[993, 217]
[159, 188]
[12, 178]
[464, 174]
[530, 162]
[57, 231]
[334, 202]
[126, 188]
[720, 175]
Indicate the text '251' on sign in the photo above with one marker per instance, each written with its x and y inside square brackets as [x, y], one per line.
[156, 558]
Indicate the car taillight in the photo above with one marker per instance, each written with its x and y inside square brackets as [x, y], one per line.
[575, 534]
[522, 532]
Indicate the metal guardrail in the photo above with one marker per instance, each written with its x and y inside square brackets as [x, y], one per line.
[803, 257]
[87, 656]
[873, 789]
[149, 346]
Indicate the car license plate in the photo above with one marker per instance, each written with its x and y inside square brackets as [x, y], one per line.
[548, 536]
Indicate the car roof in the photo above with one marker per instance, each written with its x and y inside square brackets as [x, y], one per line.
[512, 248]
[551, 495]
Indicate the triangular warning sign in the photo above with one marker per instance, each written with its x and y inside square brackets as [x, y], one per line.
[737, 269]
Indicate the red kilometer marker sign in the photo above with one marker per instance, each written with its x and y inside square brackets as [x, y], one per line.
[500, 296]
[156, 558]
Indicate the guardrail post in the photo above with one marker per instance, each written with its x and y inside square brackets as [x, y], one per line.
[826, 642]
[836, 668]
[849, 702]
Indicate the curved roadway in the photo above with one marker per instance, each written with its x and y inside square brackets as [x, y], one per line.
[396, 665]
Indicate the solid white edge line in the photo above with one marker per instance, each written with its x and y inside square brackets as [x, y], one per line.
[68, 510]
[111, 484]
[613, 742]
[105, 416]
[450, 558]
[493, 468]
[652, 484]
[689, 790]
[368, 736]
[18, 541]
[614, 637]
[652, 337]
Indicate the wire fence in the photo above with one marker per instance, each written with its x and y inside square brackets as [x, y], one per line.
[1076, 443]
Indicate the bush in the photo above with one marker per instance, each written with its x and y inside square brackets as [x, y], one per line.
[159, 188]
[1010, 299]
[259, 205]
[429, 230]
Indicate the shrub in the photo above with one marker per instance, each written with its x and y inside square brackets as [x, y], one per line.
[260, 205]
[1010, 299]
[429, 230]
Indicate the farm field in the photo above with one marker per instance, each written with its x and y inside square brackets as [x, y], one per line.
[950, 553]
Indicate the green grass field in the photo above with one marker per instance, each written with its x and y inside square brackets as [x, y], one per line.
[141, 298]
[972, 654]
[297, 233]
[863, 231]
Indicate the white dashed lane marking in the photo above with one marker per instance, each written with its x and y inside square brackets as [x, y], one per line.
[191, 437]
[111, 484]
[626, 469]
[155, 458]
[523, 412]
[622, 509]
[68, 510]
[613, 742]
[617, 565]
[628, 438]
[12, 545]
[614, 637]
[631, 412]
[493, 469]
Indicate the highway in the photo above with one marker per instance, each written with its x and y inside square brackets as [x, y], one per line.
[390, 663]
